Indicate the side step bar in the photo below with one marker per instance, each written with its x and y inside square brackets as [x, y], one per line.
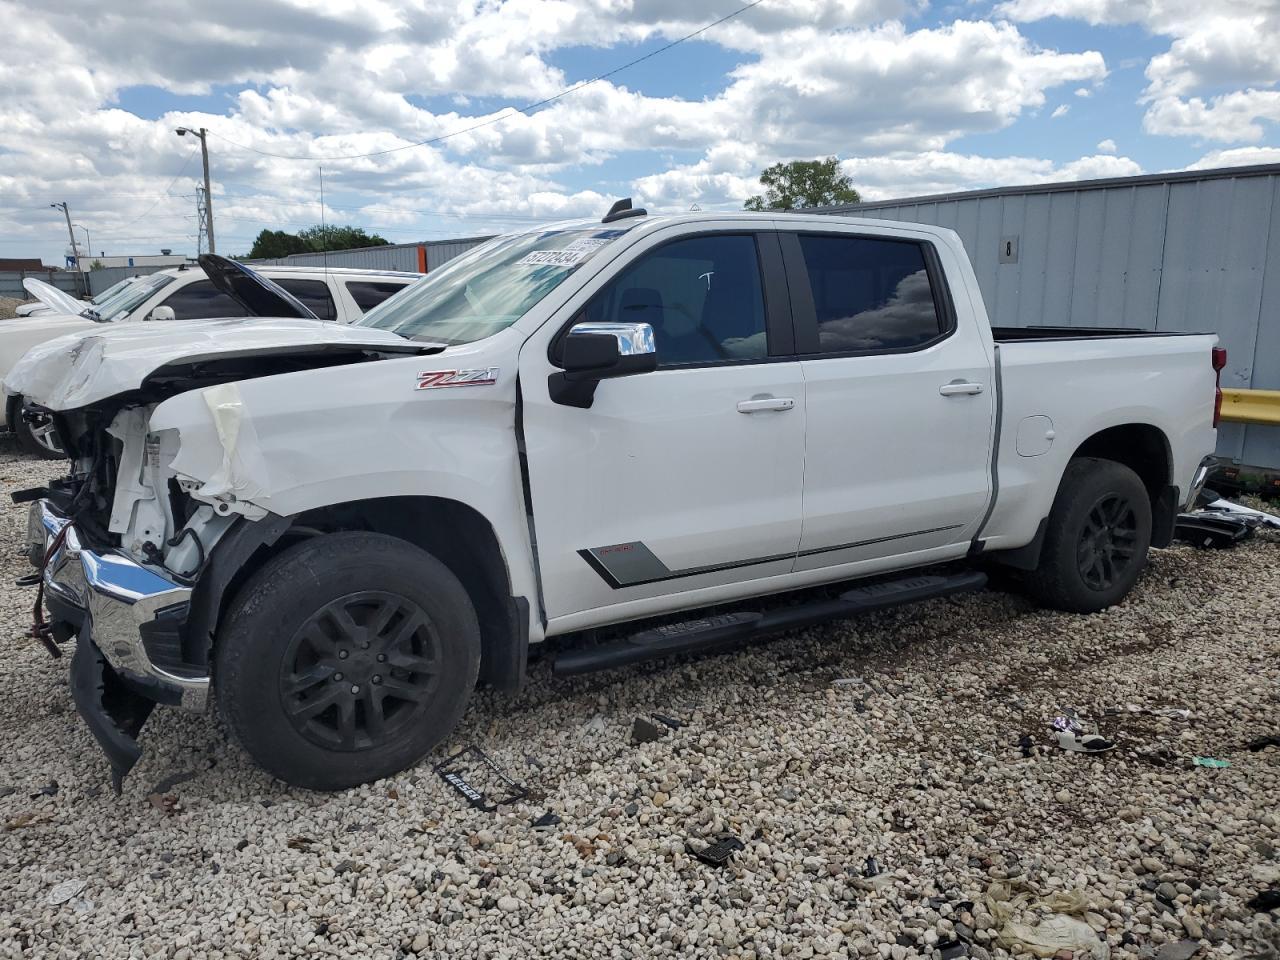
[726, 629]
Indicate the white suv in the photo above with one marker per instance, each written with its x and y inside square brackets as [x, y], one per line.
[183, 293]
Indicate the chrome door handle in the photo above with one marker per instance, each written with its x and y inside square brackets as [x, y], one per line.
[960, 388]
[762, 404]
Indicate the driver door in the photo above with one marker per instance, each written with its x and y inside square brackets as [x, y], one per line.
[678, 483]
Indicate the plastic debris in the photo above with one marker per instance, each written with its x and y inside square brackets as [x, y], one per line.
[646, 731]
[1210, 762]
[1070, 734]
[671, 722]
[595, 725]
[1265, 901]
[1213, 529]
[1263, 742]
[718, 852]
[1226, 506]
[547, 821]
[462, 770]
[1058, 931]
[66, 890]
[848, 682]
[1083, 742]
[50, 789]
[953, 949]
[871, 868]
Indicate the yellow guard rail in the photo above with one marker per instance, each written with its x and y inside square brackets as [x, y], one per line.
[1251, 406]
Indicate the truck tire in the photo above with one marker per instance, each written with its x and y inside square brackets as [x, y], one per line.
[345, 659]
[41, 441]
[1096, 541]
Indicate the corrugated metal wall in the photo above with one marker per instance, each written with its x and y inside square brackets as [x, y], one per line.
[1191, 253]
[396, 256]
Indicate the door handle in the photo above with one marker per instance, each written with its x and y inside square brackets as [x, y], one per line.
[960, 388]
[762, 404]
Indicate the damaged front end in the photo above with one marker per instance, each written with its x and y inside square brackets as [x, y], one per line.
[120, 544]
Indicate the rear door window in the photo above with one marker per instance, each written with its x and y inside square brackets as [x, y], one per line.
[870, 294]
[369, 293]
[314, 295]
[201, 300]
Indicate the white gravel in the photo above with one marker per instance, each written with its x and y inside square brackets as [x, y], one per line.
[917, 766]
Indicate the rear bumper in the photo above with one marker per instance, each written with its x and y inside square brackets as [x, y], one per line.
[1198, 480]
[111, 601]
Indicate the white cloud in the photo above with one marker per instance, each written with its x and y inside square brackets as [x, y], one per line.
[1237, 157]
[1107, 146]
[325, 78]
[1083, 92]
[1218, 79]
[1061, 110]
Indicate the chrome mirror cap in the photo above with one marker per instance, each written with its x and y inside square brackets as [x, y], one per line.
[634, 339]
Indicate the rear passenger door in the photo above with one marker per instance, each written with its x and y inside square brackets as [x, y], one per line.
[900, 401]
[367, 294]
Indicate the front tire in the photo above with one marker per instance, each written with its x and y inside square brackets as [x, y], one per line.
[1096, 540]
[346, 659]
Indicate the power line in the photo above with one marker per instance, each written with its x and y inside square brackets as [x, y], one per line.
[503, 116]
[181, 170]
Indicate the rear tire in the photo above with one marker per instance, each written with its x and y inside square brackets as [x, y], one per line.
[346, 659]
[41, 440]
[1096, 540]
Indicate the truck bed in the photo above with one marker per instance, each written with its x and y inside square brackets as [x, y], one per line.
[1037, 334]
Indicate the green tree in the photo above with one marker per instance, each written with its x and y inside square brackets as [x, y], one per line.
[276, 243]
[803, 183]
[339, 238]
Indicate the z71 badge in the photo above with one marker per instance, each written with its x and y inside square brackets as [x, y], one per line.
[484, 377]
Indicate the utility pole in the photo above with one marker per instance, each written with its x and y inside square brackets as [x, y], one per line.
[75, 250]
[208, 194]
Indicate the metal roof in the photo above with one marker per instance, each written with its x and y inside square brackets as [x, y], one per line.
[1068, 186]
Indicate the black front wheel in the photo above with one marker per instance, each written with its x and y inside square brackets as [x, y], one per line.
[1097, 537]
[346, 659]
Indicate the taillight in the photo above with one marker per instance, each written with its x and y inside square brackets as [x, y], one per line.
[1219, 361]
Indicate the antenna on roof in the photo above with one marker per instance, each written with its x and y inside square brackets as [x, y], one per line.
[621, 210]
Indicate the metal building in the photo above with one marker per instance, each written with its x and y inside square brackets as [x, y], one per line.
[1192, 251]
[422, 257]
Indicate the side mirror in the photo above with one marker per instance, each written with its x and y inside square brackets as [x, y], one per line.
[161, 313]
[598, 351]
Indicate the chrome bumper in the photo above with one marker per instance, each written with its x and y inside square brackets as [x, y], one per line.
[116, 596]
[1198, 481]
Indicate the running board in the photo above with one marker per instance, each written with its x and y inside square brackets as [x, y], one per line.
[726, 629]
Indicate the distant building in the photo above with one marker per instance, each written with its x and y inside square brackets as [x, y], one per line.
[22, 263]
[137, 260]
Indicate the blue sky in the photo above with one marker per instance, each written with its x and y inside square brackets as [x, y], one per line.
[914, 98]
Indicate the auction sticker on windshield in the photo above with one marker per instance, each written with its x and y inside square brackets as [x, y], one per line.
[568, 256]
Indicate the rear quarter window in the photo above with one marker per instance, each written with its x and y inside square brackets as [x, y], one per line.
[369, 293]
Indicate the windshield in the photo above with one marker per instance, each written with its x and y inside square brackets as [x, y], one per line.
[111, 291]
[127, 299]
[488, 289]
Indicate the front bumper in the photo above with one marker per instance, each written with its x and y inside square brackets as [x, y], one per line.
[111, 601]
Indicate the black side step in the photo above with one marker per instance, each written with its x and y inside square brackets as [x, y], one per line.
[726, 629]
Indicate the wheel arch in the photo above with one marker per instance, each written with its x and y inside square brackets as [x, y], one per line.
[454, 533]
[1144, 448]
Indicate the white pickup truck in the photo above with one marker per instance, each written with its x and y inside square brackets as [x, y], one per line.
[340, 529]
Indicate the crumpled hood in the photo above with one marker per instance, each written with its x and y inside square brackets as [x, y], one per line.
[83, 368]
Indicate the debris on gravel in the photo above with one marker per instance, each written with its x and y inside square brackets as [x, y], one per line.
[924, 810]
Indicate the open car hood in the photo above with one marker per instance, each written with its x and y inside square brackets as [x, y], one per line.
[52, 297]
[83, 368]
[258, 295]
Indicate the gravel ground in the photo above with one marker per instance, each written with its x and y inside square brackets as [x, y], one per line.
[915, 763]
[8, 306]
